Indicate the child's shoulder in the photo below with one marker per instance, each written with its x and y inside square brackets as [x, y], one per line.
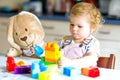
[67, 37]
[94, 39]
[66, 40]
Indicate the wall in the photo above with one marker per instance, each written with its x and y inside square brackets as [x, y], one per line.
[11, 3]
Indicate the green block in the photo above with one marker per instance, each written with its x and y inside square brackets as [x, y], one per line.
[46, 63]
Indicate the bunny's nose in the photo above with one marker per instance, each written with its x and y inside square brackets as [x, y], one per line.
[24, 38]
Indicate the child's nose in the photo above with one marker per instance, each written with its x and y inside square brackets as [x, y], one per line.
[75, 27]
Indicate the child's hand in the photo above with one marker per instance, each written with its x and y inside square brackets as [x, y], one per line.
[64, 62]
[32, 50]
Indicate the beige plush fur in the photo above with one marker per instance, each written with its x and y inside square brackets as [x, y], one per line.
[25, 30]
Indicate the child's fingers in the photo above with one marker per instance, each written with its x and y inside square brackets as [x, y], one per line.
[59, 63]
[32, 49]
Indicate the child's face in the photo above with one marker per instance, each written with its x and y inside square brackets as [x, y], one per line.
[80, 27]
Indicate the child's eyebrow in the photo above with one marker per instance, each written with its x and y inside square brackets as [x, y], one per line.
[71, 22]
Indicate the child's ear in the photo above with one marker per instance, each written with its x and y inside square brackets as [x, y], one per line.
[93, 28]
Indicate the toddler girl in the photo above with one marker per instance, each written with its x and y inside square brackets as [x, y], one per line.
[81, 48]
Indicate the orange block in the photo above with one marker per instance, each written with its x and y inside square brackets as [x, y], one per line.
[20, 63]
[85, 71]
[52, 52]
[90, 72]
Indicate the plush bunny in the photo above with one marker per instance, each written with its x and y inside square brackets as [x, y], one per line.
[24, 32]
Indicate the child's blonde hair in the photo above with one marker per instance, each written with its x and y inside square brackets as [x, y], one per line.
[89, 10]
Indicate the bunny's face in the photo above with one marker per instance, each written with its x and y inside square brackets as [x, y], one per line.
[23, 36]
[26, 30]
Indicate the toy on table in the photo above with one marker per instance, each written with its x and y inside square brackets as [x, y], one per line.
[22, 69]
[18, 68]
[44, 75]
[41, 71]
[10, 64]
[70, 71]
[52, 52]
[36, 68]
[38, 50]
[52, 70]
[20, 63]
[46, 63]
[25, 30]
[90, 71]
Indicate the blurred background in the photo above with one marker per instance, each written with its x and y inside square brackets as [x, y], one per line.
[109, 8]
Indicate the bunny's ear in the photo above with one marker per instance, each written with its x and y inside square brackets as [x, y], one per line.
[10, 34]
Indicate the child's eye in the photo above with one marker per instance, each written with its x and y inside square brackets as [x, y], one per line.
[80, 26]
[72, 24]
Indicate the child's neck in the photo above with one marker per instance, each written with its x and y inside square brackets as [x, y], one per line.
[78, 41]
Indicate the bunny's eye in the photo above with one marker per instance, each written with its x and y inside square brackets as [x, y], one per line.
[16, 34]
[26, 29]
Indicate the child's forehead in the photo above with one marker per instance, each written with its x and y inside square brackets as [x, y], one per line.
[78, 17]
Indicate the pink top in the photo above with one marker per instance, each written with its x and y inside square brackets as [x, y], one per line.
[72, 50]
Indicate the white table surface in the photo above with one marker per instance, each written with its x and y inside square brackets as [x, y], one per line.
[105, 74]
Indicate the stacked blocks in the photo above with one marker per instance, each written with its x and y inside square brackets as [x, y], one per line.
[52, 52]
[36, 68]
[44, 75]
[53, 68]
[18, 68]
[46, 63]
[91, 72]
[43, 67]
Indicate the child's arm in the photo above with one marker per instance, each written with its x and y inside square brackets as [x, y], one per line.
[88, 60]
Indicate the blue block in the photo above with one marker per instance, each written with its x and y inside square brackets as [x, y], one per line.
[35, 68]
[43, 67]
[38, 50]
[67, 70]
[71, 71]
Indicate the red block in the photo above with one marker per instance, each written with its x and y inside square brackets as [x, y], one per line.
[10, 64]
[94, 72]
[90, 72]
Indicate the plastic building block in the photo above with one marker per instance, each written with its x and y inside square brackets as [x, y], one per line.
[53, 68]
[70, 71]
[52, 52]
[36, 68]
[46, 63]
[85, 71]
[43, 67]
[38, 50]
[10, 64]
[51, 72]
[20, 63]
[94, 72]
[90, 72]
[44, 75]
[22, 69]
